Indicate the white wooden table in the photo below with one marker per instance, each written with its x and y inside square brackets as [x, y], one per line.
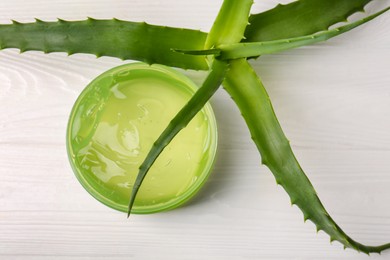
[332, 100]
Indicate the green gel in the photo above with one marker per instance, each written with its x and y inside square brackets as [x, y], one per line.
[113, 125]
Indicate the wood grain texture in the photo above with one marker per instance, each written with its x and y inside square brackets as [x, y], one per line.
[332, 100]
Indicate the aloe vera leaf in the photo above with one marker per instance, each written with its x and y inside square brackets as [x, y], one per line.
[115, 38]
[299, 18]
[182, 118]
[209, 86]
[230, 24]
[248, 92]
[241, 50]
[253, 49]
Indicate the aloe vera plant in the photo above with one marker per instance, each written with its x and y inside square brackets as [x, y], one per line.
[235, 36]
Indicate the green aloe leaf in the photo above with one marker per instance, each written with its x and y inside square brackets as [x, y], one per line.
[253, 49]
[248, 92]
[115, 38]
[230, 24]
[299, 18]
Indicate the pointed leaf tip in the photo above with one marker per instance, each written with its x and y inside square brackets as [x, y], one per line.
[132, 198]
